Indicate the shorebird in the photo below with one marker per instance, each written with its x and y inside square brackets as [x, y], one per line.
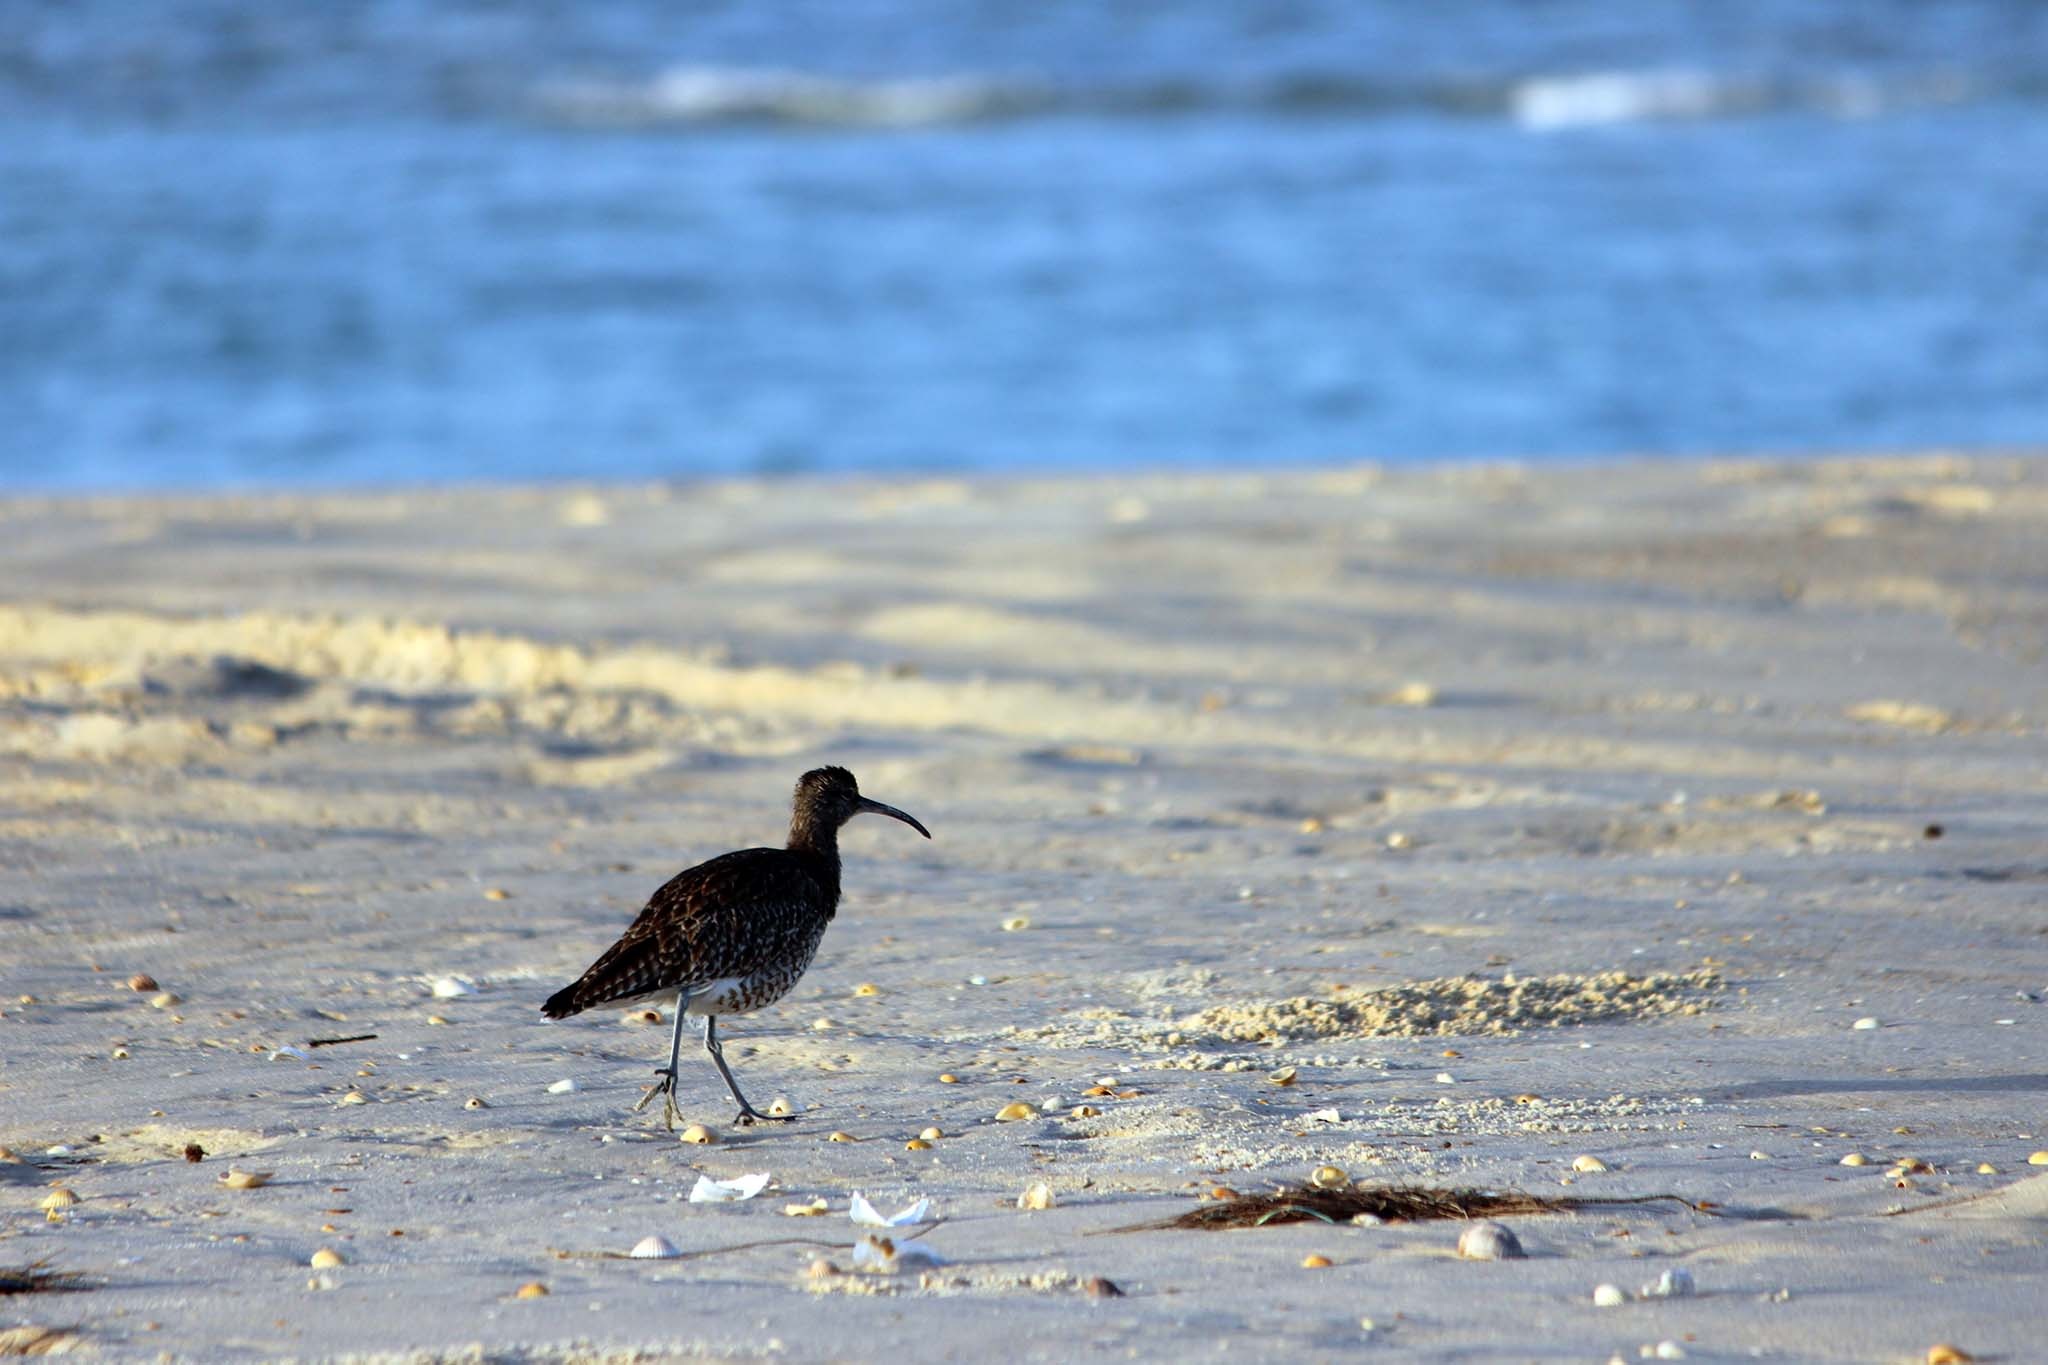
[731, 935]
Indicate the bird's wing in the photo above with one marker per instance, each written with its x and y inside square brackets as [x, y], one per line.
[723, 918]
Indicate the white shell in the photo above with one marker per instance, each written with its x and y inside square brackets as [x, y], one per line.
[1865, 1023]
[885, 1256]
[654, 1248]
[1037, 1196]
[1588, 1165]
[451, 988]
[709, 1191]
[1489, 1242]
[1676, 1283]
[563, 1087]
[864, 1213]
[1608, 1296]
[1669, 1350]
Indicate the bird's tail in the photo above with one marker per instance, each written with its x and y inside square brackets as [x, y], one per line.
[563, 1003]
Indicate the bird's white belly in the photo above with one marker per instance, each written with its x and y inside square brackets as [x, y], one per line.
[718, 997]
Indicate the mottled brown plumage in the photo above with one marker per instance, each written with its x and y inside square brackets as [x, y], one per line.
[735, 933]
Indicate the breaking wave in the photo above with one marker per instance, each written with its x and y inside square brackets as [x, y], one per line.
[714, 95]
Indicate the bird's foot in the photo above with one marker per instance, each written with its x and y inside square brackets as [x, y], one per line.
[666, 1088]
[749, 1115]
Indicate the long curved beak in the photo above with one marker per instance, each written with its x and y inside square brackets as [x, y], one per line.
[877, 808]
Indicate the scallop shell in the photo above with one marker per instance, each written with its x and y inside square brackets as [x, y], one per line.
[654, 1247]
[1037, 1196]
[326, 1258]
[1009, 1113]
[58, 1198]
[532, 1289]
[1608, 1296]
[1489, 1241]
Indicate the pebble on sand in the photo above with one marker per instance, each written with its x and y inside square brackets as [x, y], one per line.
[1489, 1241]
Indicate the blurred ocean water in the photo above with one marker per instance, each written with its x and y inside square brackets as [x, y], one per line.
[430, 240]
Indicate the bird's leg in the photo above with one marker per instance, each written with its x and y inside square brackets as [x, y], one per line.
[666, 1086]
[748, 1113]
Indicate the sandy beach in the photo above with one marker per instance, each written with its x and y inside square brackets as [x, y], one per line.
[1442, 827]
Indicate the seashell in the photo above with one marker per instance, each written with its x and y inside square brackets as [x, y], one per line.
[817, 1208]
[1329, 1177]
[1097, 1287]
[1315, 1262]
[840, 1136]
[821, 1025]
[1311, 825]
[326, 1258]
[1084, 1111]
[142, 981]
[2038, 1159]
[822, 1269]
[709, 1191]
[1323, 1116]
[497, 893]
[451, 988]
[1037, 1197]
[886, 1256]
[1676, 1283]
[565, 1086]
[57, 1198]
[246, 1180]
[1668, 1350]
[436, 1020]
[1446, 1078]
[1009, 1113]
[1941, 1353]
[1759, 1156]
[1865, 1024]
[654, 1247]
[931, 1134]
[1854, 1159]
[1489, 1241]
[532, 1289]
[31, 1340]
[1986, 1168]
[289, 1053]
[779, 1107]
[1608, 1296]
[867, 988]
[475, 1102]
[1528, 1098]
[1911, 1165]
[1398, 840]
[1219, 1192]
[1284, 1076]
[917, 1145]
[698, 1134]
[163, 1000]
[1015, 923]
[1588, 1165]
[119, 1054]
[354, 1097]
[7, 1155]
[948, 1078]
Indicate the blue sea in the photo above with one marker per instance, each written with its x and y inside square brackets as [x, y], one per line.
[290, 243]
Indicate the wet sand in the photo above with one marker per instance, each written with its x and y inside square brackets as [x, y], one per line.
[1685, 816]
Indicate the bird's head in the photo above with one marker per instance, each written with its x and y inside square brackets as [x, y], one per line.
[827, 798]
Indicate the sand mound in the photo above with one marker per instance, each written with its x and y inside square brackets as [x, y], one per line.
[1457, 1005]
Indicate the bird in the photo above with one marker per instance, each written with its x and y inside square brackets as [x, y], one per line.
[732, 935]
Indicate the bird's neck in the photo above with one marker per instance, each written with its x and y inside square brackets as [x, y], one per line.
[816, 846]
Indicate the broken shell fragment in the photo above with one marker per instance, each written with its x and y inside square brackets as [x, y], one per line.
[532, 1289]
[565, 1086]
[1608, 1296]
[654, 1247]
[886, 1256]
[1676, 1283]
[58, 1198]
[1588, 1165]
[326, 1258]
[817, 1208]
[1009, 1113]
[142, 981]
[822, 1269]
[1284, 1076]
[1037, 1196]
[246, 1180]
[1489, 1241]
[698, 1134]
